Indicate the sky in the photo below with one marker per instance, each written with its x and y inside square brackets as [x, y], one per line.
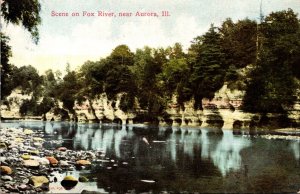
[75, 40]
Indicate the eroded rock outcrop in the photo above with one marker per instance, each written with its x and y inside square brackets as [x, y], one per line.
[223, 111]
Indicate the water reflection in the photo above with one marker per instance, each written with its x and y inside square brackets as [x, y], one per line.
[295, 146]
[222, 150]
[179, 159]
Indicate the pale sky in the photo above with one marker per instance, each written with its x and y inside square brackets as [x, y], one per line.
[75, 40]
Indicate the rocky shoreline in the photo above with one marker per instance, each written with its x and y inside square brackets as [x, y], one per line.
[283, 137]
[27, 167]
[284, 134]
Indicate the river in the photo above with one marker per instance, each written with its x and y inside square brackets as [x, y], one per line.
[156, 159]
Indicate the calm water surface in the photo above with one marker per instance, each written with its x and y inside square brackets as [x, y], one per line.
[175, 160]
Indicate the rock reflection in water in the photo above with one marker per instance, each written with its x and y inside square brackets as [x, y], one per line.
[178, 159]
[223, 150]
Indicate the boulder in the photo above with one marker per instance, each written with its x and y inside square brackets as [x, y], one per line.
[5, 170]
[34, 152]
[38, 139]
[83, 162]
[6, 178]
[23, 187]
[52, 160]
[83, 179]
[28, 132]
[42, 161]
[3, 146]
[63, 149]
[69, 182]
[25, 156]
[38, 181]
[64, 163]
[31, 163]
[19, 140]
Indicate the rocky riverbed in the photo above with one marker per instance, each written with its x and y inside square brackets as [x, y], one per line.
[26, 166]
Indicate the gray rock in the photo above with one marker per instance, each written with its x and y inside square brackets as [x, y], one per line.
[6, 178]
[23, 187]
[25, 181]
[31, 163]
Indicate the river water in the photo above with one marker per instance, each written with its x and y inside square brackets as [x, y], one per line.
[156, 159]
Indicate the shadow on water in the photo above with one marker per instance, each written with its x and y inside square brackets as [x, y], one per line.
[178, 159]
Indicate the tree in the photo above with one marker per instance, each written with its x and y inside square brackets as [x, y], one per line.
[28, 79]
[239, 42]
[6, 67]
[68, 90]
[208, 68]
[26, 12]
[116, 75]
[273, 83]
[91, 80]
[121, 55]
[145, 70]
[175, 75]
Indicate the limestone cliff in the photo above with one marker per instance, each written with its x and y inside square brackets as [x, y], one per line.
[223, 111]
[15, 100]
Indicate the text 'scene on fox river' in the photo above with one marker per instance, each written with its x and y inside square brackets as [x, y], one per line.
[111, 14]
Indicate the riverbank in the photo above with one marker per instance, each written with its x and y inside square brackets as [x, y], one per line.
[27, 167]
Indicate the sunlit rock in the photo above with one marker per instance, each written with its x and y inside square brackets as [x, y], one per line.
[38, 181]
[5, 170]
[53, 161]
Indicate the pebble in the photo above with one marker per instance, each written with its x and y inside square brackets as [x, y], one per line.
[31, 164]
[6, 178]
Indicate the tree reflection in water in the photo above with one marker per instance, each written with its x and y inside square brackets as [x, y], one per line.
[180, 159]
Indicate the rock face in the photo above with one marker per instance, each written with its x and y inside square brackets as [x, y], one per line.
[221, 111]
[224, 110]
[16, 99]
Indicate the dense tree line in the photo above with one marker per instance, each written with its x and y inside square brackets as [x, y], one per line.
[262, 59]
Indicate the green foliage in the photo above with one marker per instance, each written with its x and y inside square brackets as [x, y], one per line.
[26, 12]
[175, 75]
[208, 68]
[121, 55]
[50, 84]
[146, 68]
[28, 79]
[32, 107]
[239, 42]
[91, 79]
[68, 89]
[273, 84]
[46, 105]
[6, 67]
[118, 79]
[28, 107]
[126, 102]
